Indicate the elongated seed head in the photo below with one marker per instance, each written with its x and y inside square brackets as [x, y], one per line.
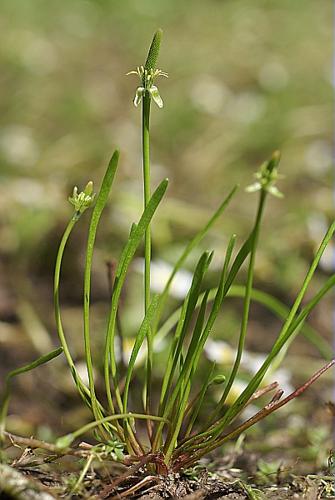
[152, 57]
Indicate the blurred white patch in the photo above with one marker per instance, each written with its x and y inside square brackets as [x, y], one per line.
[30, 192]
[82, 371]
[319, 157]
[246, 107]
[236, 390]
[219, 351]
[224, 354]
[160, 273]
[18, 145]
[273, 76]
[317, 225]
[209, 94]
[27, 191]
[283, 377]
[327, 259]
[252, 361]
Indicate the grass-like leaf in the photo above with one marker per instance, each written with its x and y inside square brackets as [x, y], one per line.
[95, 218]
[131, 247]
[18, 371]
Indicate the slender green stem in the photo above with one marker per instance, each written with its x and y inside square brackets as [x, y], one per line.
[67, 439]
[83, 390]
[95, 219]
[147, 240]
[146, 191]
[58, 266]
[246, 305]
[188, 249]
[268, 409]
[286, 331]
[195, 405]
[88, 355]
[82, 474]
[135, 238]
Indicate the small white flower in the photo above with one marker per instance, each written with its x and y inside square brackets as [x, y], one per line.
[81, 201]
[267, 176]
[153, 91]
[140, 91]
[147, 77]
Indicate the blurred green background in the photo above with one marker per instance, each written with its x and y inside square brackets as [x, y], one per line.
[245, 78]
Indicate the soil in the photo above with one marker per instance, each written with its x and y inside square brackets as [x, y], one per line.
[35, 475]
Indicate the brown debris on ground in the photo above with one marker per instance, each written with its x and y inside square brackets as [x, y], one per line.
[35, 475]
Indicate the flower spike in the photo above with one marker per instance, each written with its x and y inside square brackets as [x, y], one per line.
[148, 73]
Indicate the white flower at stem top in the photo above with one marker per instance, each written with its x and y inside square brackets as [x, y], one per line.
[148, 77]
[267, 176]
[83, 200]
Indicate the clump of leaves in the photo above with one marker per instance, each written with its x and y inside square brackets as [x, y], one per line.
[175, 438]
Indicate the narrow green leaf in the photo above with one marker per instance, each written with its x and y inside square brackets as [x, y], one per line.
[141, 334]
[167, 400]
[23, 369]
[65, 441]
[197, 402]
[282, 311]
[135, 238]
[188, 249]
[246, 302]
[34, 364]
[183, 385]
[95, 218]
[178, 341]
[283, 337]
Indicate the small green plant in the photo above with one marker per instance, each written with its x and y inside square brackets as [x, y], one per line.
[175, 437]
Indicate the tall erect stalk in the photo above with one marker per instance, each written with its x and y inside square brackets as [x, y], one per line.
[146, 192]
[144, 93]
[149, 68]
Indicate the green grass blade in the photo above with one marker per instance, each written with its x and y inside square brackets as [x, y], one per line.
[188, 249]
[198, 400]
[34, 364]
[271, 303]
[283, 337]
[167, 400]
[181, 312]
[177, 343]
[282, 311]
[95, 218]
[23, 369]
[67, 440]
[195, 349]
[183, 385]
[81, 387]
[83, 390]
[246, 303]
[210, 435]
[132, 245]
[138, 343]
